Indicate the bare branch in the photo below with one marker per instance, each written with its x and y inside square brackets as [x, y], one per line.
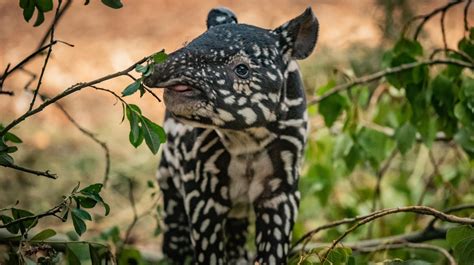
[31, 56]
[9, 93]
[50, 49]
[72, 89]
[414, 209]
[131, 198]
[55, 22]
[90, 135]
[389, 246]
[32, 171]
[51, 212]
[466, 12]
[430, 178]
[426, 17]
[2, 80]
[388, 71]
[375, 215]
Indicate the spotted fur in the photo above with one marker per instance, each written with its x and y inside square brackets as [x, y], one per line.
[236, 123]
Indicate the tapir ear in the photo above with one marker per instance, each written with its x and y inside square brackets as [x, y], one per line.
[298, 36]
[219, 16]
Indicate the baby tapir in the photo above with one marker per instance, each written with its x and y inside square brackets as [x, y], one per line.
[236, 123]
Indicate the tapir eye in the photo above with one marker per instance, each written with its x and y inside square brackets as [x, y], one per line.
[242, 70]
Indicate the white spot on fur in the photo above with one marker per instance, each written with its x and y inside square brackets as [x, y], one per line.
[248, 114]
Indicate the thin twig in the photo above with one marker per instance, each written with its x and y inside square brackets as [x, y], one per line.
[32, 171]
[51, 212]
[430, 178]
[414, 209]
[2, 80]
[48, 54]
[153, 94]
[131, 198]
[72, 89]
[367, 218]
[466, 12]
[9, 93]
[55, 22]
[443, 30]
[419, 236]
[388, 71]
[378, 184]
[425, 18]
[90, 135]
[450, 210]
[380, 175]
[440, 250]
[460, 53]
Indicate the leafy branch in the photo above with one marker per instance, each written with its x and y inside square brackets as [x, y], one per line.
[386, 72]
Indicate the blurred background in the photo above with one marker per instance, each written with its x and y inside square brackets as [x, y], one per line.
[353, 35]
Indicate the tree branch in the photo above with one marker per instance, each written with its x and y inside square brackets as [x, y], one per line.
[466, 12]
[90, 135]
[48, 54]
[390, 246]
[425, 18]
[32, 171]
[55, 22]
[388, 71]
[72, 89]
[375, 215]
[414, 209]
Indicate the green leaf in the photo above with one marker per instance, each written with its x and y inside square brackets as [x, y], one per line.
[72, 257]
[95, 255]
[338, 256]
[132, 88]
[92, 189]
[461, 239]
[6, 159]
[43, 235]
[374, 143]
[401, 79]
[79, 225]
[81, 214]
[11, 149]
[154, 134]
[353, 157]
[130, 255]
[133, 114]
[343, 145]
[12, 138]
[160, 57]
[11, 228]
[39, 19]
[24, 3]
[411, 47]
[465, 138]
[113, 3]
[44, 5]
[150, 184]
[141, 68]
[111, 234]
[323, 89]
[28, 10]
[427, 128]
[331, 107]
[86, 202]
[20, 213]
[405, 136]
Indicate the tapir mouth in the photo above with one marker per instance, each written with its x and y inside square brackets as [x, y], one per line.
[178, 86]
